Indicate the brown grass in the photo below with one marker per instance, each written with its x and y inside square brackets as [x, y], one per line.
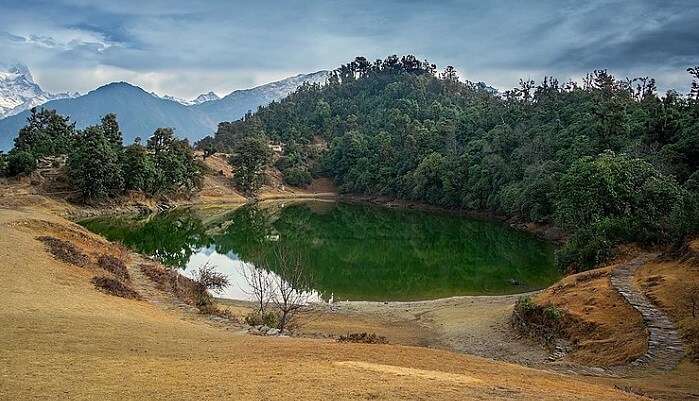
[673, 285]
[114, 287]
[62, 340]
[605, 330]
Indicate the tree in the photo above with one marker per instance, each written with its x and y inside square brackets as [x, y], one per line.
[249, 159]
[110, 126]
[19, 162]
[208, 279]
[139, 169]
[616, 198]
[94, 165]
[46, 133]
[694, 91]
[173, 161]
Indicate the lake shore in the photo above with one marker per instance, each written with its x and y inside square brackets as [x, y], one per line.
[39, 292]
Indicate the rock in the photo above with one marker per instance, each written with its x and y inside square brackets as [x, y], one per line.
[272, 332]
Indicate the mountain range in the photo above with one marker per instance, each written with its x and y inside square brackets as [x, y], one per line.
[139, 112]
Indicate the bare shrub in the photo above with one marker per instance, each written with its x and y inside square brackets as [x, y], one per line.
[64, 250]
[291, 285]
[261, 287]
[114, 287]
[363, 338]
[207, 279]
[114, 265]
[183, 288]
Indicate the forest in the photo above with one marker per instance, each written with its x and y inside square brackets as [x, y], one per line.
[609, 160]
[99, 166]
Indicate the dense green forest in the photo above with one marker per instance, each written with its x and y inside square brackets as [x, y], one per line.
[608, 160]
[99, 166]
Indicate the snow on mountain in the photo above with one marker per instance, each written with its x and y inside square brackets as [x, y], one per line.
[237, 103]
[204, 97]
[19, 92]
[140, 112]
[281, 89]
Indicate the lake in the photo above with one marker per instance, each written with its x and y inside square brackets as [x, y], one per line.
[349, 251]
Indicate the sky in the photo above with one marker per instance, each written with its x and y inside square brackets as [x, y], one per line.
[184, 48]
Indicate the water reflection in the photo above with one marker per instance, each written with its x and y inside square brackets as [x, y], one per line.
[233, 267]
[357, 252]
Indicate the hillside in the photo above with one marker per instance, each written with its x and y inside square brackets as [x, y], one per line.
[608, 161]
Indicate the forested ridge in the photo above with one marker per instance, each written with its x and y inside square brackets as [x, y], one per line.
[609, 160]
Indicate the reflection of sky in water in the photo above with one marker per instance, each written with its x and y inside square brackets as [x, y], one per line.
[230, 265]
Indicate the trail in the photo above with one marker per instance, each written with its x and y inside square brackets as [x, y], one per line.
[664, 344]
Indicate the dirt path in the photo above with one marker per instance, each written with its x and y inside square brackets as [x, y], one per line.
[477, 325]
[665, 348]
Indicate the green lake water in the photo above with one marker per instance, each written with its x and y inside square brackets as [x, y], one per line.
[349, 251]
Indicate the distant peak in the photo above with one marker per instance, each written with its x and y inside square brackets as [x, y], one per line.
[118, 84]
[205, 97]
[18, 69]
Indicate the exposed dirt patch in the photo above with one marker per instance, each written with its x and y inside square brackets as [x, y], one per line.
[605, 330]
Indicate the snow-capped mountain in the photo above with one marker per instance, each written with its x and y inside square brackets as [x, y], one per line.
[19, 92]
[140, 112]
[238, 102]
[204, 97]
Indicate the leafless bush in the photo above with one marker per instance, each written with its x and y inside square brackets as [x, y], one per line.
[183, 288]
[260, 287]
[291, 285]
[64, 250]
[114, 287]
[208, 279]
[114, 265]
[363, 338]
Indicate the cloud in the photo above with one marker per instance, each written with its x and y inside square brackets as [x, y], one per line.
[181, 46]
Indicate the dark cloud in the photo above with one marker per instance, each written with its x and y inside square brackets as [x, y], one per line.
[167, 44]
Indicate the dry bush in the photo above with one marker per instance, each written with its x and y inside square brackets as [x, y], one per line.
[543, 323]
[363, 338]
[182, 287]
[114, 287]
[114, 265]
[268, 318]
[64, 250]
